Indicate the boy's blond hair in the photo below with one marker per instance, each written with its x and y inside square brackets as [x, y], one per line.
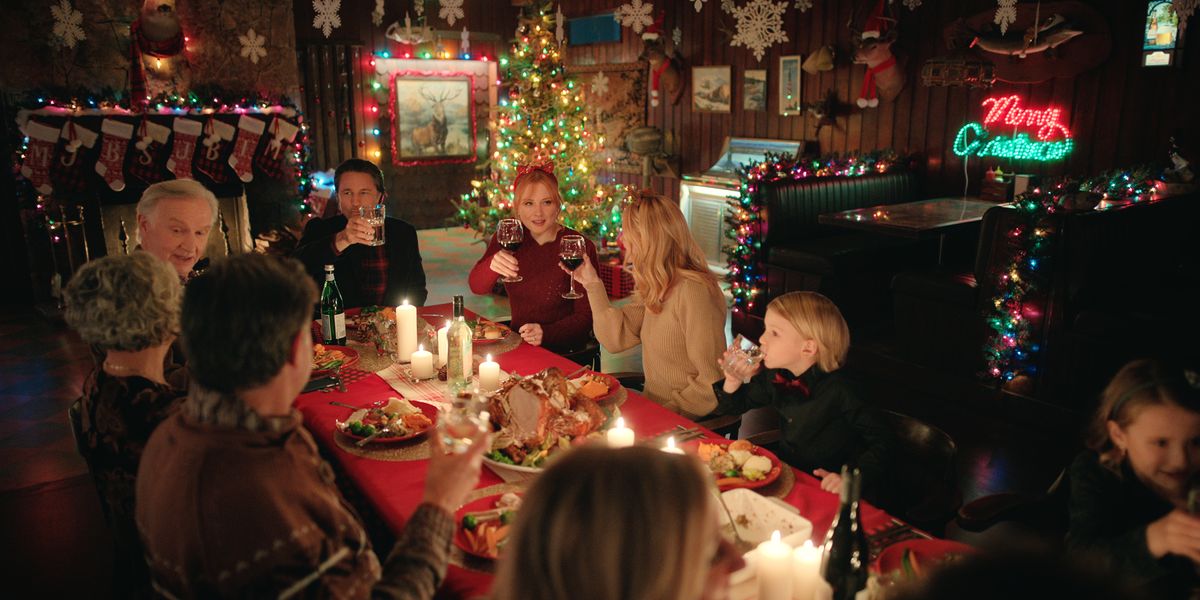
[817, 318]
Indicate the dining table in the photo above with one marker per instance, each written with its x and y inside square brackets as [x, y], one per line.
[393, 485]
[914, 220]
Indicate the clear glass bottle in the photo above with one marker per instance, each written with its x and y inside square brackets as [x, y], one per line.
[459, 341]
[333, 311]
[845, 556]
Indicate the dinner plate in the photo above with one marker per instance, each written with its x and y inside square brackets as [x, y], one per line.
[927, 552]
[478, 339]
[777, 466]
[614, 386]
[428, 410]
[351, 357]
[460, 537]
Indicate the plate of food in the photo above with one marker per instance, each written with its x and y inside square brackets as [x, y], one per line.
[910, 559]
[488, 332]
[330, 358]
[484, 525]
[537, 417]
[601, 388]
[738, 463]
[399, 419]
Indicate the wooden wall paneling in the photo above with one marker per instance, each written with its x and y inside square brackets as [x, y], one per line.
[1083, 114]
[312, 104]
[343, 94]
[329, 106]
[363, 73]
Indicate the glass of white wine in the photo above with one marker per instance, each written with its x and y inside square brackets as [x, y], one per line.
[461, 422]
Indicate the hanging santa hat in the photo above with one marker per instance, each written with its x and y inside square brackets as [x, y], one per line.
[876, 24]
[654, 31]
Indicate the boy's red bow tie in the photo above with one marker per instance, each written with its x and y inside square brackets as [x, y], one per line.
[789, 383]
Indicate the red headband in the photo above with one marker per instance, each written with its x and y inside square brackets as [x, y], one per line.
[546, 167]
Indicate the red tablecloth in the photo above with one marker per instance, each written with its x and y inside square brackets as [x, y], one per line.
[394, 488]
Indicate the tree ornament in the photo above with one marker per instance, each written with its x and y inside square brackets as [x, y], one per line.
[111, 164]
[183, 147]
[325, 15]
[377, 14]
[759, 26]
[804, 5]
[465, 41]
[635, 14]
[1006, 14]
[253, 46]
[451, 10]
[728, 6]
[43, 140]
[560, 25]
[68, 25]
[677, 37]
[698, 4]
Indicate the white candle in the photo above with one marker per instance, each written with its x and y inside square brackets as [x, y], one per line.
[806, 565]
[620, 436]
[406, 330]
[443, 345]
[489, 375]
[774, 565]
[671, 448]
[422, 363]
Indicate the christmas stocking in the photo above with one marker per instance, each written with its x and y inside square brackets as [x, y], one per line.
[39, 155]
[151, 150]
[184, 147]
[270, 162]
[250, 130]
[216, 133]
[68, 171]
[111, 165]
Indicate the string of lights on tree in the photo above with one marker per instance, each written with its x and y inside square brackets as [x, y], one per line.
[746, 217]
[543, 118]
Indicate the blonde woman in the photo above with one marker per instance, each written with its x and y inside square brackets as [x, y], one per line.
[606, 524]
[127, 308]
[677, 313]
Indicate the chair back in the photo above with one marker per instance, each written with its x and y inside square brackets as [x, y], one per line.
[75, 417]
[925, 487]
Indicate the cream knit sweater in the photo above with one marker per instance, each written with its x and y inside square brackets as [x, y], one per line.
[681, 345]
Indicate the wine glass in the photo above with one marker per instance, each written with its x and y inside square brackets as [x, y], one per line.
[743, 349]
[460, 423]
[510, 233]
[570, 252]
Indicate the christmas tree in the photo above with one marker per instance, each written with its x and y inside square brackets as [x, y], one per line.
[543, 118]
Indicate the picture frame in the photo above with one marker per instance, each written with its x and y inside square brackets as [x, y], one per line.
[433, 118]
[615, 96]
[754, 90]
[1162, 35]
[791, 98]
[712, 89]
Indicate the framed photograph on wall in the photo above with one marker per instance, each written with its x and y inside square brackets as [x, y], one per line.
[754, 90]
[1162, 34]
[790, 99]
[712, 89]
[432, 118]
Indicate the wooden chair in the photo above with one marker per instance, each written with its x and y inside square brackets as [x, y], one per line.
[1045, 513]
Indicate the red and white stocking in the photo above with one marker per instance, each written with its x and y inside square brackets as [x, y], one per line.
[250, 130]
[280, 133]
[68, 171]
[216, 134]
[183, 149]
[43, 140]
[111, 164]
[151, 148]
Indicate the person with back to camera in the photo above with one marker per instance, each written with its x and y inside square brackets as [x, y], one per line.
[618, 524]
[1131, 503]
[825, 423]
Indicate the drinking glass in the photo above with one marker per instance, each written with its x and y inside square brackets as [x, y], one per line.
[743, 349]
[459, 424]
[375, 216]
[510, 233]
[570, 252]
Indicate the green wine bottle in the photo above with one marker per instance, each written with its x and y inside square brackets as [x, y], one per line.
[333, 312]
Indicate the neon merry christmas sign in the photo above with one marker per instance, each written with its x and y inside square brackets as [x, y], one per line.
[1052, 140]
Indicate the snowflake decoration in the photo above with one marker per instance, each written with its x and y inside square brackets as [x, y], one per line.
[677, 37]
[635, 14]
[804, 5]
[325, 15]
[253, 46]
[419, 8]
[760, 26]
[1006, 14]
[600, 84]
[728, 6]
[68, 22]
[699, 4]
[451, 10]
[378, 13]
[912, 4]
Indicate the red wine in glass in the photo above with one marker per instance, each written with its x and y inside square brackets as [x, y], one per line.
[571, 262]
[570, 252]
[510, 233]
[511, 246]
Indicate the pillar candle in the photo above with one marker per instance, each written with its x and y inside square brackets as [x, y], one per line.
[443, 345]
[489, 375]
[806, 566]
[774, 565]
[406, 331]
[671, 448]
[620, 436]
[422, 363]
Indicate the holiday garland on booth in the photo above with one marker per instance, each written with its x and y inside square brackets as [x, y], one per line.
[745, 218]
[543, 118]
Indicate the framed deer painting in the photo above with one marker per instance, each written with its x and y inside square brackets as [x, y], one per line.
[432, 118]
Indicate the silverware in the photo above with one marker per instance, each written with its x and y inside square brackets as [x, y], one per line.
[688, 435]
[367, 440]
[662, 435]
[577, 372]
[343, 404]
[732, 523]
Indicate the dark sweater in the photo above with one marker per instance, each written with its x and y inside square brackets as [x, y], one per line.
[824, 429]
[1109, 514]
[405, 275]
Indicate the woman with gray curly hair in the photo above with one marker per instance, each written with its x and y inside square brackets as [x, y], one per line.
[127, 309]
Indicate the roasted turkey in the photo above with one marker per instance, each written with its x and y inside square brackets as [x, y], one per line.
[527, 411]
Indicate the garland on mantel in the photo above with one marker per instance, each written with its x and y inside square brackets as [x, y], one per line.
[746, 278]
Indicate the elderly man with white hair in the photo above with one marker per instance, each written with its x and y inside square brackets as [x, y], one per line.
[174, 220]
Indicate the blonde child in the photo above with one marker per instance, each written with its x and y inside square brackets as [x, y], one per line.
[825, 423]
[1129, 490]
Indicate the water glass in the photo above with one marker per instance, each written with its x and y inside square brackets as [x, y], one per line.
[460, 423]
[743, 349]
[375, 216]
